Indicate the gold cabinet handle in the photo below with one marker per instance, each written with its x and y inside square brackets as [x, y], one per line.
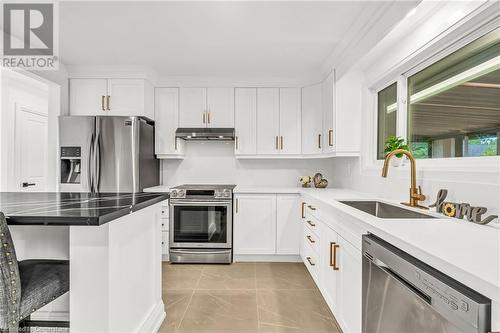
[333, 255]
[175, 143]
[107, 102]
[310, 239]
[330, 138]
[281, 142]
[236, 142]
[310, 261]
[303, 210]
[208, 117]
[319, 141]
[102, 103]
[310, 223]
[277, 144]
[236, 207]
[204, 115]
[311, 207]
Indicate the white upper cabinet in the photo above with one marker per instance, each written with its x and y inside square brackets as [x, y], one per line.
[167, 121]
[220, 107]
[288, 224]
[268, 121]
[87, 97]
[245, 118]
[193, 107]
[207, 107]
[312, 119]
[328, 104]
[349, 89]
[111, 97]
[290, 121]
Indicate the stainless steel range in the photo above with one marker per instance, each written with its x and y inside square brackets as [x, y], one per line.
[201, 224]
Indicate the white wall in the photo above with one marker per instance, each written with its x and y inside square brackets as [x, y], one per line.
[437, 25]
[214, 162]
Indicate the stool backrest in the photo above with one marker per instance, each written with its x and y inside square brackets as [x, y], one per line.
[10, 283]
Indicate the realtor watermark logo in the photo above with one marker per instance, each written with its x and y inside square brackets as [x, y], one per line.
[30, 36]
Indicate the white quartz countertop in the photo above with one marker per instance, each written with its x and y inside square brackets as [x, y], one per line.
[468, 252]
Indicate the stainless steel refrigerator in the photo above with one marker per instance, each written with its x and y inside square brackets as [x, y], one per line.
[107, 154]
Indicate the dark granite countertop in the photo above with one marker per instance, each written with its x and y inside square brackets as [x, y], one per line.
[51, 208]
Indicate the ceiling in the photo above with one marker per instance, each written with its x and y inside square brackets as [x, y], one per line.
[223, 39]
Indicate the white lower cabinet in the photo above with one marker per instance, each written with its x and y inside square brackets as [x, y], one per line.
[336, 269]
[267, 224]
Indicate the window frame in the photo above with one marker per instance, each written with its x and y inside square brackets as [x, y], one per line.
[487, 164]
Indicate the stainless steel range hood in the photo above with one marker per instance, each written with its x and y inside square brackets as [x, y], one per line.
[218, 134]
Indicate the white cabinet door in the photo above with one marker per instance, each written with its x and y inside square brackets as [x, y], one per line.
[288, 224]
[255, 224]
[125, 97]
[290, 120]
[193, 105]
[330, 275]
[349, 286]
[220, 107]
[312, 119]
[329, 114]
[87, 97]
[245, 117]
[268, 120]
[167, 121]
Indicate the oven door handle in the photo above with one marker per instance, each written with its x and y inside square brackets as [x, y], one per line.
[200, 203]
[199, 252]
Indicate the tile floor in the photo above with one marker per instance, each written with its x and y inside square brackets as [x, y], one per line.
[243, 297]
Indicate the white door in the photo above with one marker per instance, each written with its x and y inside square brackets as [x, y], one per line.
[290, 120]
[167, 121]
[330, 275]
[288, 224]
[255, 224]
[192, 107]
[30, 153]
[125, 97]
[245, 117]
[268, 119]
[349, 286]
[312, 119]
[220, 107]
[329, 114]
[87, 97]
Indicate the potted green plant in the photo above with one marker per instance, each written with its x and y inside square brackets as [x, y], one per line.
[396, 142]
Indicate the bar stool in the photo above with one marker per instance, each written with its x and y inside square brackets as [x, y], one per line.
[28, 285]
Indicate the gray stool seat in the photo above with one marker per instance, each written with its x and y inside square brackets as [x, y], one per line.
[42, 281]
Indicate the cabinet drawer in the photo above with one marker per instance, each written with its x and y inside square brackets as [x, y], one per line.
[311, 210]
[312, 239]
[312, 224]
[164, 224]
[165, 211]
[311, 260]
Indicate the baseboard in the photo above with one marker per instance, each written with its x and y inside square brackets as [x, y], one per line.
[266, 258]
[154, 320]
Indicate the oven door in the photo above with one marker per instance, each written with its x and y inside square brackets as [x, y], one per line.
[201, 224]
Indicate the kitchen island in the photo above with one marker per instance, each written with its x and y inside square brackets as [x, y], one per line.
[113, 243]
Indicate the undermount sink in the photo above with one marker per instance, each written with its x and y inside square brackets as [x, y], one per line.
[386, 211]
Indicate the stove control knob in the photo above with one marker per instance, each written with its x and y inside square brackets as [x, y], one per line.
[181, 194]
[173, 194]
[227, 193]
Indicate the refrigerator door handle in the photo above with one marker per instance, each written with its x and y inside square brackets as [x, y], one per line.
[97, 163]
[90, 164]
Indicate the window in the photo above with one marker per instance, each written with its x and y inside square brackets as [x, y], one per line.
[387, 116]
[454, 104]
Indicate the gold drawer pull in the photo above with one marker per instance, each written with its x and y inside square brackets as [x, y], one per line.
[310, 261]
[302, 211]
[102, 103]
[310, 239]
[310, 223]
[330, 138]
[333, 255]
[311, 207]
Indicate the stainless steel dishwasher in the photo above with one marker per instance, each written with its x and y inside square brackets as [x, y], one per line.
[403, 294]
